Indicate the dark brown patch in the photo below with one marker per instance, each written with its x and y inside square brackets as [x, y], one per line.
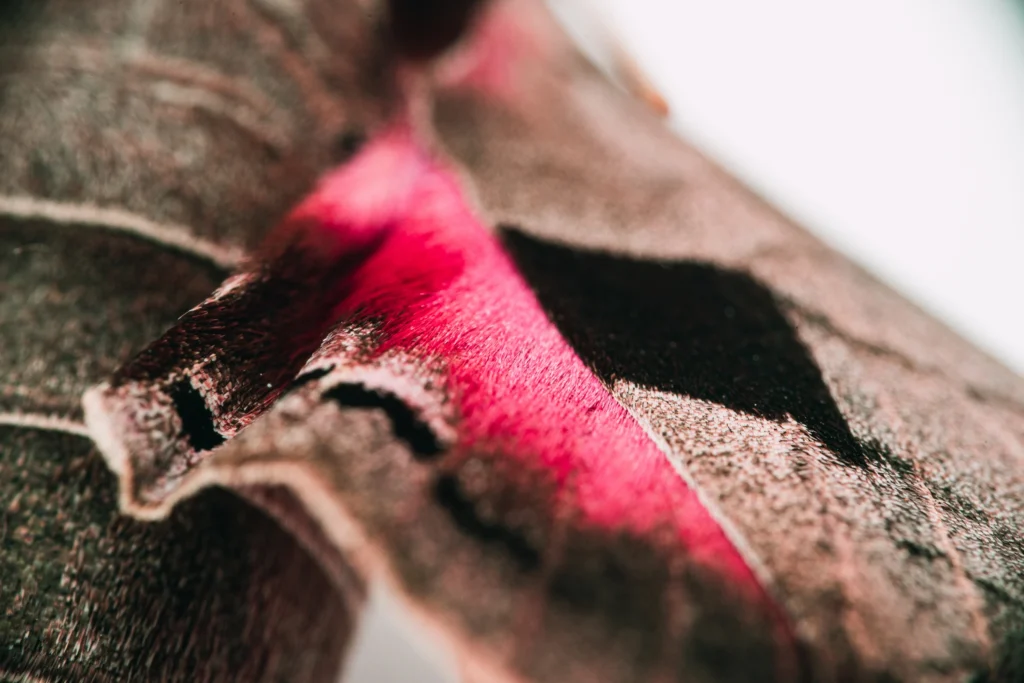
[76, 301]
[642, 610]
[216, 592]
[687, 328]
[422, 29]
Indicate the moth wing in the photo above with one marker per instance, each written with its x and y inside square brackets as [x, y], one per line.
[143, 150]
[867, 456]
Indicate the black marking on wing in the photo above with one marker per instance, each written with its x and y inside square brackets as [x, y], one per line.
[196, 418]
[424, 28]
[449, 495]
[346, 144]
[685, 327]
[404, 422]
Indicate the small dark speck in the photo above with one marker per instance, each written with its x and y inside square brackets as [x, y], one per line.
[918, 550]
[346, 145]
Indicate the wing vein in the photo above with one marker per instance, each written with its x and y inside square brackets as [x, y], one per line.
[173, 236]
[45, 422]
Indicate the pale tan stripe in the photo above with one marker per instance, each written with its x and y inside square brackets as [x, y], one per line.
[172, 236]
[49, 423]
[241, 116]
[198, 75]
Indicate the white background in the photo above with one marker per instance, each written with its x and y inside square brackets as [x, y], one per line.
[894, 129]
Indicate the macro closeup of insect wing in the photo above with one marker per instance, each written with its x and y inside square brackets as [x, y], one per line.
[452, 316]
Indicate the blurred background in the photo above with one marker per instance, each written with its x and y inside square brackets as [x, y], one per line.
[893, 129]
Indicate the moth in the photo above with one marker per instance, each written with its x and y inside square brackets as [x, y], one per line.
[489, 336]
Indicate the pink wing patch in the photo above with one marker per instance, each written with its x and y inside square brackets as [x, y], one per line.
[388, 251]
[442, 287]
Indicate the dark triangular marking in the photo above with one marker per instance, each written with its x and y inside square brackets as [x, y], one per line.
[684, 327]
[196, 418]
